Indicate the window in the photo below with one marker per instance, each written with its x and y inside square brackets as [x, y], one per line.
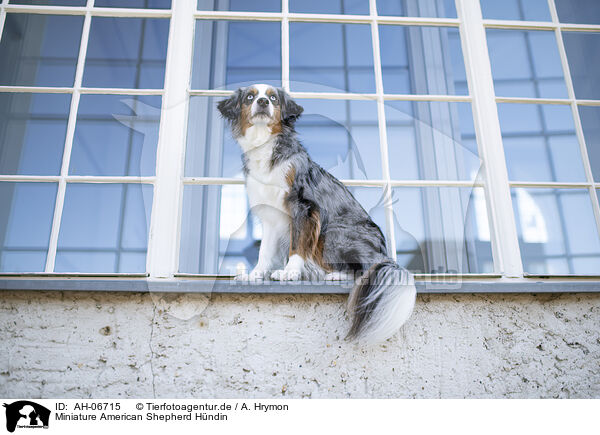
[467, 129]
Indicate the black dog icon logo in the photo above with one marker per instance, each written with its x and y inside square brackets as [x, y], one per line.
[26, 414]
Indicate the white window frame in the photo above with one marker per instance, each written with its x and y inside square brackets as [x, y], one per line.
[168, 183]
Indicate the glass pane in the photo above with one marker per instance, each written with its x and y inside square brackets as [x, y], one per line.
[240, 53]
[540, 143]
[126, 52]
[25, 223]
[32, 132]
[217, 218]
[343, 62]
[578, 11]
[442, 229]
[50, 2]
[417, 8]
[526, 63]
[557, 231]
[116, 135]
[431, 141]
[422, 60]
[584, 63]
[140, 4]
[104, 228]
[354, 7]
[39, 50]
[526, 10]
[240, 5]
[341, 136]
[590, 121]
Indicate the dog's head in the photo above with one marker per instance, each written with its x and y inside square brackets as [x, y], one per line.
[260, 105]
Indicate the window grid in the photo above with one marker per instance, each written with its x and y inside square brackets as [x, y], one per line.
[162, 246]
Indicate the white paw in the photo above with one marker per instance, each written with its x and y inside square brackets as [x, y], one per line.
[254, 276]
[286, 275]
[337, 276]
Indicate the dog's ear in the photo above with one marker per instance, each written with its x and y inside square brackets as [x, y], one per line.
[290, 110]
[231, 108]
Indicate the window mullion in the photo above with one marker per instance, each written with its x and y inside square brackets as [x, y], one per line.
[505, 243]
[164, 226]
[64, 171]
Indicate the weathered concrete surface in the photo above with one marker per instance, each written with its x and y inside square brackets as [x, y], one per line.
[104, 345]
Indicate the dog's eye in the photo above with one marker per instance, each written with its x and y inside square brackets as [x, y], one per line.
[250, 97]
[273, 98]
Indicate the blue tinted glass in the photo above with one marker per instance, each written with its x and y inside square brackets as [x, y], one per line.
[116, 135]
[526, 63]
[104, 228]
[442, 229]
[584, 63]
[411, 67]
[39, 50]
[417, 8]
[578, 11]
[528, 10]
[241, 53]
[126, 53]
[240, 5]
[32, 132]
[431, 141]
[25, 223]
[151, 4]
[343, 62]
[357, 7]
[590, 121]
[50, 2]
[342, 137]
[557, 231]
[233, 231]
[540, 143]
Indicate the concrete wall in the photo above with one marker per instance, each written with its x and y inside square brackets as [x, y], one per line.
[101, 345]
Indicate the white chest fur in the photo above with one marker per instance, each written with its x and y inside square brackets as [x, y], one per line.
[266, 186]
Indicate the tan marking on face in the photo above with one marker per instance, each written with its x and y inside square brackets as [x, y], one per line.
[275, 124]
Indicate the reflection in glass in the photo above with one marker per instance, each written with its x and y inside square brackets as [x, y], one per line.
[578, 11]
[523, 10]
[116, 135]
[126, 53]
[354, 7]
[341, 136]
[32, 132]
[141, 4]
[25, 223]
[526, 63]
[240, 53]
[240, 5]
[422, 60]
[540, 143]
[557, 231]
[50, 2]
[442, 229]
[584, 63]
[104, 228]
[39, 50]
[217, 219]
[590, 121]
[417, 8]
[431, 141]
[342, 62]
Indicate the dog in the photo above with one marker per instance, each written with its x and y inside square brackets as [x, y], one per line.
[310, 219]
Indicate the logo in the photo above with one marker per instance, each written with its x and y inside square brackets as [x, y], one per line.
[26, 414]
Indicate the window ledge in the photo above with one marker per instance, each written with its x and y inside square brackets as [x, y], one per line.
[179, 285]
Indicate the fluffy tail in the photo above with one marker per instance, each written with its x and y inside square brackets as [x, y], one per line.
[381, 301]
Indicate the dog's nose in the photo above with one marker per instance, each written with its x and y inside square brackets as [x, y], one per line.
[262, 102]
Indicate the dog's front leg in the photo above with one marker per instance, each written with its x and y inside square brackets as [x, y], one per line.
[271, 253]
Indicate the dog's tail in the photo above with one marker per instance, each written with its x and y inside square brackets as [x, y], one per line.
[380, 303]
